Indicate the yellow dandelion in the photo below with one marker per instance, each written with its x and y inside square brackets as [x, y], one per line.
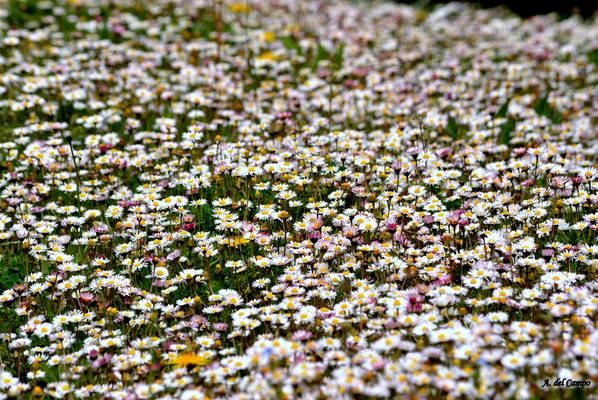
[268, 36]
[268, 56]
[239, 8]
[185, 359]
[237, 241]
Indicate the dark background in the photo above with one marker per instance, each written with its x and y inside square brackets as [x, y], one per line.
[527, 8]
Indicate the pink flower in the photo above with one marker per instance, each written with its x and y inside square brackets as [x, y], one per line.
[314, 236]
[302, 335]
[189, 226]
[317, 224]
[118, 29]
[415, 302]
[159, 283]
[220, 326]
[519, 151]
[547, 252]
[428, 219]
[86, 297]
[174, 255]
[443, 280]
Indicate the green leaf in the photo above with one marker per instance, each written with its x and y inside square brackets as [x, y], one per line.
[321, 54]
[504, 109]
[505, 132]
[12, 271]
[219, 284]
[338, 55]
[290, 43]
[452, 128]
[578, 394]
[543, 108]
[593, 57]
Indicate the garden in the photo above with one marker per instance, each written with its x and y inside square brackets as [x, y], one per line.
[281, 199]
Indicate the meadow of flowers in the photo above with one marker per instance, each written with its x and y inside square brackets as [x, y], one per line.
[282, 199]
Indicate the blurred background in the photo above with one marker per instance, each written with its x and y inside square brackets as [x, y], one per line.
[527, 8]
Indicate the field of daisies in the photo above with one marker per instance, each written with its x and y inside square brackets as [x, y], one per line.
[281, 199]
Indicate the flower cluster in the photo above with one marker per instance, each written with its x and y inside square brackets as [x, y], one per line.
[295, 199]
